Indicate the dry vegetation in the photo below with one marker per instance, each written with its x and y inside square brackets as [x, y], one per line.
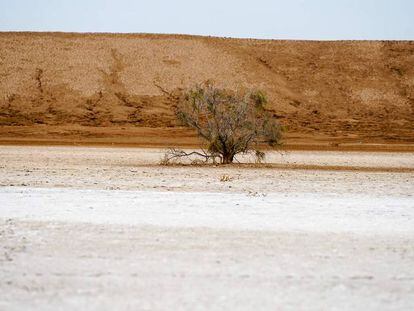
[228, 123]
[71, 84]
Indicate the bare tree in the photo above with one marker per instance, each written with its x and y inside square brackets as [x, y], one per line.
[228, 122]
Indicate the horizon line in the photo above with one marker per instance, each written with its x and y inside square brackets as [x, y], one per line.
[194, 36]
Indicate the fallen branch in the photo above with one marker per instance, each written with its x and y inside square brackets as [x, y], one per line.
[174, 154]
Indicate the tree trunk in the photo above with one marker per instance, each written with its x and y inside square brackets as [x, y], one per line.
[227, 158]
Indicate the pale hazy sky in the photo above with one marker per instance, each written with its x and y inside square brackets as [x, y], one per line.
[275, 19]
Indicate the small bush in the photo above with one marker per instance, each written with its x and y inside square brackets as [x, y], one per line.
[228, 122]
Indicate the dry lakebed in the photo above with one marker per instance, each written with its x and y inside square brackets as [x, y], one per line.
[108, 228]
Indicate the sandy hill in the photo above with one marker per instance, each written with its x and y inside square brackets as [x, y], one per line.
[361, 91]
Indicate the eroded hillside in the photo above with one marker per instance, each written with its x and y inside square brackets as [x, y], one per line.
[357, 90]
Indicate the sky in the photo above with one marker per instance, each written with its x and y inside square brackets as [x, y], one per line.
[267, 19]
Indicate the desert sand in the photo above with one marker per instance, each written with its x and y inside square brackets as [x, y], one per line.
[104, 228]
[109, 88]
[90, 220]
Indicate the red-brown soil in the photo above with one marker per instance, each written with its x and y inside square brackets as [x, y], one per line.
[121, 88]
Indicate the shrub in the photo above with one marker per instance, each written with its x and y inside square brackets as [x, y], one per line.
[228, 122]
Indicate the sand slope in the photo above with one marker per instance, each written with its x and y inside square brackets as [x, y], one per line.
[348, 90]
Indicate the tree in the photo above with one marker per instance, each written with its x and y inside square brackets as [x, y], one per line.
[228, 122]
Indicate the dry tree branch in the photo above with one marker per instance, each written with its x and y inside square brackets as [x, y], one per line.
[174, 154]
